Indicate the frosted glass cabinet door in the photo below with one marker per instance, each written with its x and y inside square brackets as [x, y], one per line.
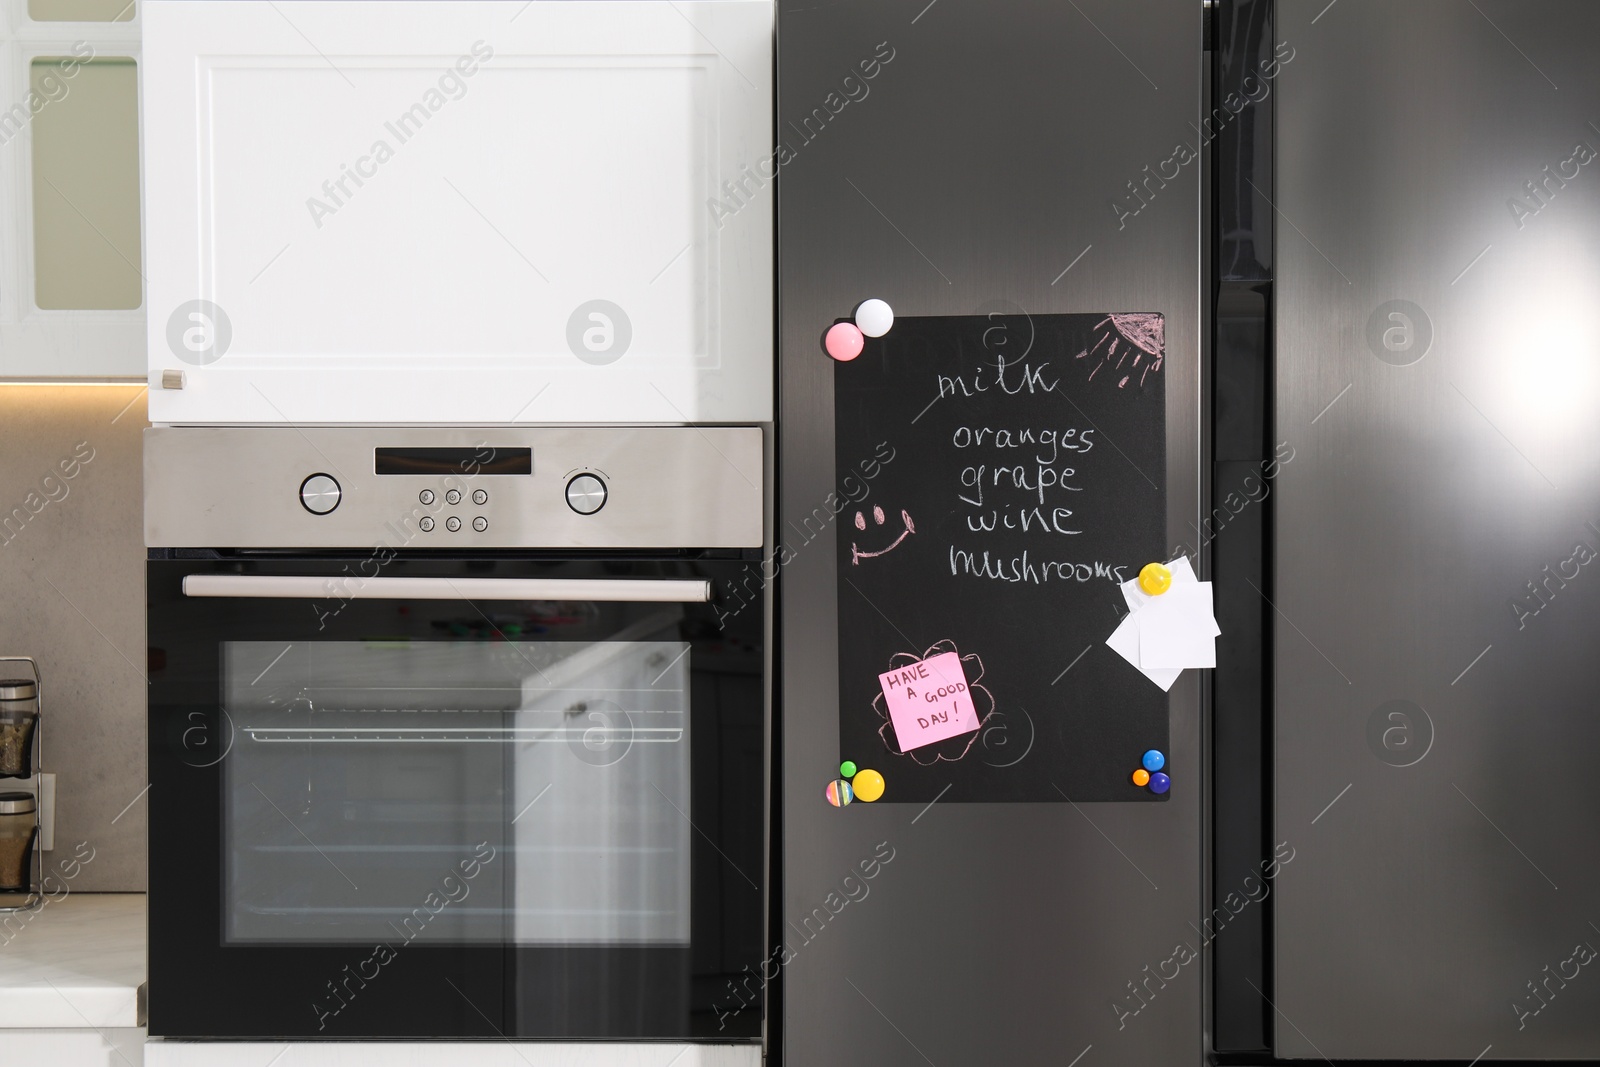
[482, 211]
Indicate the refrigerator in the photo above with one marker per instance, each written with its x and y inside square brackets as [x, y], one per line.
[1436, 370]
[981, 169]
[1371, 234]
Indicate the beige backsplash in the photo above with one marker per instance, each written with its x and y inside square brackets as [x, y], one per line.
[72, 596]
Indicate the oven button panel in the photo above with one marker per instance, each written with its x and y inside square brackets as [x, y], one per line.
[622, 488]
[586, 494]
[320, 494]
[453, 523]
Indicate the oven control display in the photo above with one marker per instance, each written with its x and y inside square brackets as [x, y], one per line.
[467, 460]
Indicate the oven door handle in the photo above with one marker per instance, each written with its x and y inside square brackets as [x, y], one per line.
[346, 587]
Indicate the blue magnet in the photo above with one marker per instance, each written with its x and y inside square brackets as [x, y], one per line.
[1154, 760]
[1159, 783]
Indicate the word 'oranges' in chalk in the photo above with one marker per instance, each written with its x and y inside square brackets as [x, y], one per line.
[869, 785]
[1141, 777]
[839, 793]
[1155, 579]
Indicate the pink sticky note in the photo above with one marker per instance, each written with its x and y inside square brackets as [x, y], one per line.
[929, 701]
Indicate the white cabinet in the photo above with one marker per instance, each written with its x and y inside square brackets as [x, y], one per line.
[459, 211]
[85, 1047]
[171, 1053]
[71, 290]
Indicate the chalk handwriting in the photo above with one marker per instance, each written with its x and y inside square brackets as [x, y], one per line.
[1057, 441]
[1017, 479]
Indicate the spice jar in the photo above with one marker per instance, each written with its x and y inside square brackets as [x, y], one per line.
[18, 825]
[19, 714]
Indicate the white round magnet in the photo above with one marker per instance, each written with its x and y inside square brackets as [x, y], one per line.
[874, 317]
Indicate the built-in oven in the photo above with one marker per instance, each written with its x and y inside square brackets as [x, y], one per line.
[456, 733]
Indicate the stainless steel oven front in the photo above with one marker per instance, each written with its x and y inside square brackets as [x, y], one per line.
[456, 733]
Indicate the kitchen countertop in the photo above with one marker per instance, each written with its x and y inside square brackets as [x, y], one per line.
[74, 963]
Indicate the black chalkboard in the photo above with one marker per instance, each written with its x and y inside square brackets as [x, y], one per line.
[1052, 431]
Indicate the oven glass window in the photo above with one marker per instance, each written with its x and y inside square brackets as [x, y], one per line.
[439, 792]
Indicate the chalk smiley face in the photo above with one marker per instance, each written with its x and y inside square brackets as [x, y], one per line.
[908, 528]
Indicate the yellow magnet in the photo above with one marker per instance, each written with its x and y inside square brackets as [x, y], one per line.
[1155, 579]
[868, 785]
[1141, 777]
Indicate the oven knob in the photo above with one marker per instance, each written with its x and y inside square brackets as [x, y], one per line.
[426, 524]
[586, 494]
[453, 497]
[319, 493]
[452, 524]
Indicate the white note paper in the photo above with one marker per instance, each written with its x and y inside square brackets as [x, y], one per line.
[1125, 643]
[1176, 630]
[1164, 635]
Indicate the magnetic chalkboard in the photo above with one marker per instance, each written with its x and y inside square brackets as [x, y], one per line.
[1000, 475]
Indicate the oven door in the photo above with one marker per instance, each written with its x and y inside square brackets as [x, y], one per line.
[473, 798]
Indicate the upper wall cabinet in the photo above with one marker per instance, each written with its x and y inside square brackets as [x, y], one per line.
[71, 282]
[464, 211]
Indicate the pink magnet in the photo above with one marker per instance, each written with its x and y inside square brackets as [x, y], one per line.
[843, 342]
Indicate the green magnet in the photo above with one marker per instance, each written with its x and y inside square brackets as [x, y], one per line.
[847, 769]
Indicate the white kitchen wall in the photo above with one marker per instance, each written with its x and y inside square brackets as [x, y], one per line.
[72, 596]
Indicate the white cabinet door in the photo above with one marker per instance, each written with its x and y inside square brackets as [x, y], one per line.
[111, 1046]
[170, 1053]
[71, 291]
[460, 211]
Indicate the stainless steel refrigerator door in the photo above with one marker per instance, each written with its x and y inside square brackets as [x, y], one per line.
[979, 165]
[1438, 331]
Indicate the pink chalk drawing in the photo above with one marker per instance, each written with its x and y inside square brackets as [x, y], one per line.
[857, 555]
[1141, 337]
[947, 749]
